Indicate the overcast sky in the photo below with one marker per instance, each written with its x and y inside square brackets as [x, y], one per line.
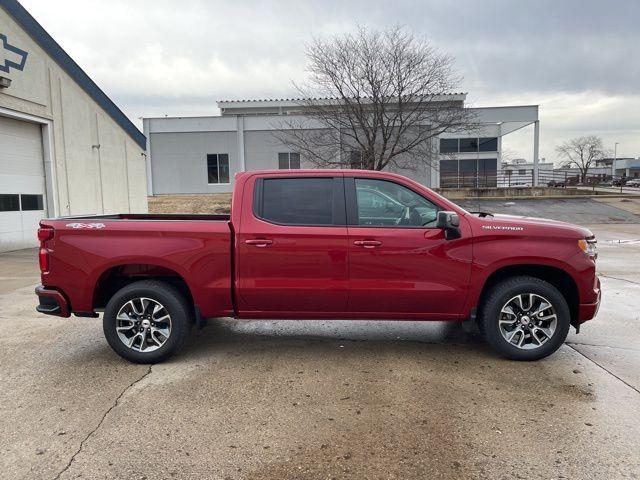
[577, 59]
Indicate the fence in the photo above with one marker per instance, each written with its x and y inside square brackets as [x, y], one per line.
[525, 178]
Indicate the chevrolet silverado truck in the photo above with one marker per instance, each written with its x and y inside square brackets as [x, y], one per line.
[321, 244]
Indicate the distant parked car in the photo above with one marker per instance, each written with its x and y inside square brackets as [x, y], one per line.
[618, 182]
[556, 183]
[635, 183]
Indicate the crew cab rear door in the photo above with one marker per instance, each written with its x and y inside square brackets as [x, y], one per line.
[400, 264]
[292, 246]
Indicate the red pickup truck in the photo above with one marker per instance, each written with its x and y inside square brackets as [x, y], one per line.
[321, 244]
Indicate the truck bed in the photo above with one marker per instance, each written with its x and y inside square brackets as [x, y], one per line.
[89, 252]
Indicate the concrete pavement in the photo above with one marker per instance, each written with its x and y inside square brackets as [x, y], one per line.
[307, 400]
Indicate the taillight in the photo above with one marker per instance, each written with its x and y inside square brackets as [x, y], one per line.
[43, 258]
[44, 234]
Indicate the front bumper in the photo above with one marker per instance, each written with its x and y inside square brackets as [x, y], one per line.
[587, 311]
[52, 302]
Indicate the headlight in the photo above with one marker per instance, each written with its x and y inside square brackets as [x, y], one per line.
[589, 246]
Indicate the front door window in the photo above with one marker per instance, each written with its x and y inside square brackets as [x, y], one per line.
[384, 203]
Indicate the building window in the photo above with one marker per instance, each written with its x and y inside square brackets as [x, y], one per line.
[469, 172]
[289, 161]
[522, 171]
[468, 145]
[31, 202]
[487, 172]
[448, 173]
[489, 144]
[9, 202]
[218, 168]
[356, 159]
[448, 145]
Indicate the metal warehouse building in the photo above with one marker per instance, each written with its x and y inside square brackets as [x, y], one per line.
[195, 155]
[65, 148]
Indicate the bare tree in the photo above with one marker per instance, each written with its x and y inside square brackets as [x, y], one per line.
[581, 152]
[374, 99]
[508, 156]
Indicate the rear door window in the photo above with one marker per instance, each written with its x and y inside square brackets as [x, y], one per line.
[298, 201]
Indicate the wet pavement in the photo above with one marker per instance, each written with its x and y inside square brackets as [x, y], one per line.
[583, 211]
[322, 399]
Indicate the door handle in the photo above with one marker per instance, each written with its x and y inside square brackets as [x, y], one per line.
[367, 243]
[259, 242]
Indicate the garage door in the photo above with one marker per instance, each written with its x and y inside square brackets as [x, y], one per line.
[22, 184]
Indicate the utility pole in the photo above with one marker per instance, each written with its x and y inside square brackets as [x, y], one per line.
[536, 149]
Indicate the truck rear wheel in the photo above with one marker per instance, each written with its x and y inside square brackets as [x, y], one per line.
[525, 318]
[147, 321]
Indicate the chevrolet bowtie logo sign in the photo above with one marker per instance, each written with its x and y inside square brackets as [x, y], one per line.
[11, 56]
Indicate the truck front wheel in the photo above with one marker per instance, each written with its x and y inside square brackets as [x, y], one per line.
[147, 321]
[525, 318]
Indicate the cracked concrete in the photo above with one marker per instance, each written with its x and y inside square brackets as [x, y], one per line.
[90, 434]
[332, 399]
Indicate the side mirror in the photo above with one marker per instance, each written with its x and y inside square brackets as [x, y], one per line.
[450, 223]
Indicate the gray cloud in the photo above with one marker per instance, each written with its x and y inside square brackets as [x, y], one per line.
[577, 59]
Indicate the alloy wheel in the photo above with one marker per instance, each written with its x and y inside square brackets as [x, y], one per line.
[527, 321]
[143, 324]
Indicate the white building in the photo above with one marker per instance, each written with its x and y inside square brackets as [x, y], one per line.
[604, 169]
[65, 147]
[519, 172]
[619, 167]
[201, 154]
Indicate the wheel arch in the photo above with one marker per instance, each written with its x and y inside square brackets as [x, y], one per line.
[118, 276]
[559, 278]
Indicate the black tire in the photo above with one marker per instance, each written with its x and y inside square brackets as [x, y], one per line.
[496, 299]
[171, 299]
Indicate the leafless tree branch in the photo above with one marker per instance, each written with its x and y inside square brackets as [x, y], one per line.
[383, 95]
[581, 152]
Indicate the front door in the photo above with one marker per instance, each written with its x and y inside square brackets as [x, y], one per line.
[400, 264]
[292, 248]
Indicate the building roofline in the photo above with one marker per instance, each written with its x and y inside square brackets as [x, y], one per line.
[296, 102]
[297, 99]
[171, 117]
[504, 106]
[179, 117]
[62, 58]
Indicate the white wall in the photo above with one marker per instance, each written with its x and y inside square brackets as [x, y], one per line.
[85, 179]
[179, 161]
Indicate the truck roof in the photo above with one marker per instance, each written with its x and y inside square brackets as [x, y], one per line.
[322, 171]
